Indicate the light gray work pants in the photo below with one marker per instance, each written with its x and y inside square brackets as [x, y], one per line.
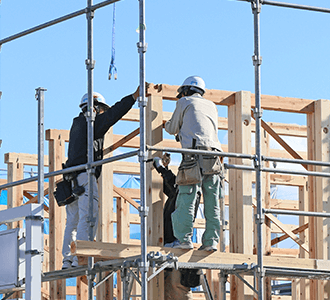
[77, 226]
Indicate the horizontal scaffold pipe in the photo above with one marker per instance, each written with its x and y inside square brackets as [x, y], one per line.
[297, 161]
[202, 152]
[296, 213]
[293, 172]
[282, 171]
[71, 169]
[55, 21]
[297, 273]
[291, 5]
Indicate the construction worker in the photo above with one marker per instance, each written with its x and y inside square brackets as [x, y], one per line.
[177, 283]
[77, 211]
[195, 124]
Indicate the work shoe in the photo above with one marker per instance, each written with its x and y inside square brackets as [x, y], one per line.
[208, 248]
[173, 244]
[75, 262]
[66, 264]
[184, 245]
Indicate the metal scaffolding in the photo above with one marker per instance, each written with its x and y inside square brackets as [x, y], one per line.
[131, 267]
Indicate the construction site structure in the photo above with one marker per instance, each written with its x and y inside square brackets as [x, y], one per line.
[250, 261]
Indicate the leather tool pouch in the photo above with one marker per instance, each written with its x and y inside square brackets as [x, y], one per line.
[210, 164]
[189, 171]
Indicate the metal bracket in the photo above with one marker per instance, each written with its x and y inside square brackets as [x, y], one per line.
[143, 156]
[89, 64]
[247, 283]
[90, 169]
[257, 61]
[143, 212]
[36, 218]
[89, 13]
[142, 48]
[143, 102]
[143, 266]
[257, 113]
[33, 252]
[256, 5]
[260, 219]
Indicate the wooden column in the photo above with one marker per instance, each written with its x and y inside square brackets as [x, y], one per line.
[300, 290]
[56, 214]
[240, 188]
[266, 204]
[155, 197]
[106, 215]
[318, 126]
[15, 194]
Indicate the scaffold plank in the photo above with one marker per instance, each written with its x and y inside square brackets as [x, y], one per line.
[107, 251]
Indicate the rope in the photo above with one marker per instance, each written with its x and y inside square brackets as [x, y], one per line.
[112, 68]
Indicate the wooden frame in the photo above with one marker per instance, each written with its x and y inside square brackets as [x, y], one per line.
[313, 193]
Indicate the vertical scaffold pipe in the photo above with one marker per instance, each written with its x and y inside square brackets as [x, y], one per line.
[41, 150]
[143, 209]
[90, 138]
[256, 8]
[41, 143]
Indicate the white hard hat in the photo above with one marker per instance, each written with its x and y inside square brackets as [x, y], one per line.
[193, 81]
[98, 100]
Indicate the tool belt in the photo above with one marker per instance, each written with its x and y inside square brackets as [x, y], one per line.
[189, 171]
[68, 190]
[210, 164]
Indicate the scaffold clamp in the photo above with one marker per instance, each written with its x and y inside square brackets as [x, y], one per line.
[260, 218]
[257, 61]
[142, 48]
[143, 212]
[34, 218]
[90, 64]
[143, 266]
[143, 102]
[256, 5]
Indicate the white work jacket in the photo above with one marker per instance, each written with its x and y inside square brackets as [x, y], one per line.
[195, 118]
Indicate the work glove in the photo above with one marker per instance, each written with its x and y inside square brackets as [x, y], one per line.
[157, 162]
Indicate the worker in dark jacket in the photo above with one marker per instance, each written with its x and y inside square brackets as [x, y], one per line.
[77, 211]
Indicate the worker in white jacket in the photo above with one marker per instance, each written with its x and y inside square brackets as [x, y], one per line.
[195, 124]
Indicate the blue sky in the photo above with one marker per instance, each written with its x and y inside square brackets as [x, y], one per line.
[213, 39]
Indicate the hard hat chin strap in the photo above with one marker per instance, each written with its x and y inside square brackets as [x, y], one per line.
[188, 91]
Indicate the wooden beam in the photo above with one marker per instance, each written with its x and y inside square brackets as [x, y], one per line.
[277, 103]
[122, 141]
[116, 251]
[285, 236]
[287, 231]
[26, 159]
[122, 194]
[277, 138]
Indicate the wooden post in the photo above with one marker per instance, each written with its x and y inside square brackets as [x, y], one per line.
[318, 135]
[15, 197]
[240, 188]
[266, 203]
[106, 215]
[302, 285]
[15, 194]
[56, 213]
[155, 197]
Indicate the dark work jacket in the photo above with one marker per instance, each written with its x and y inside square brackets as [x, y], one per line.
[77, 152]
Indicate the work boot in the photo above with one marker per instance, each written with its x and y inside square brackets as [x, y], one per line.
[184, 245]
[208, 248]
[75, 262]
[66, 264]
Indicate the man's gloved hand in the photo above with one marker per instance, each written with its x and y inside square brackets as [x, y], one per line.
[157, 162]
[166, 159]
